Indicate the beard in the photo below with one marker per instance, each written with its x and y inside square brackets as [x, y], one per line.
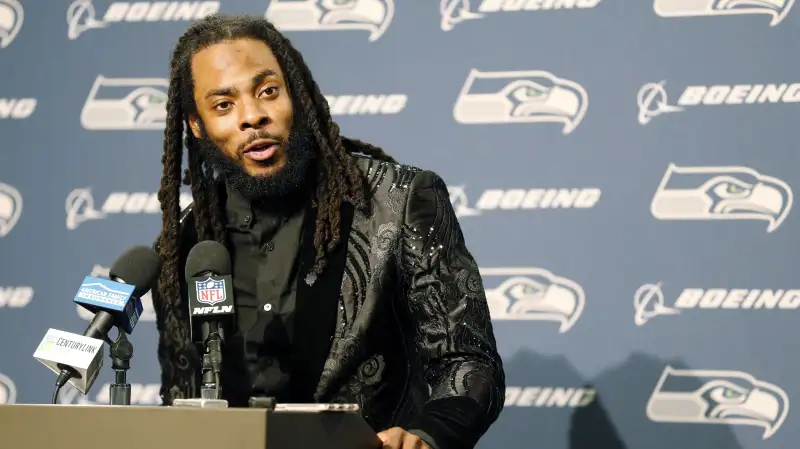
[289, 180]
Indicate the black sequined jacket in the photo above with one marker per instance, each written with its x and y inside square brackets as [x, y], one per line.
[398, 322]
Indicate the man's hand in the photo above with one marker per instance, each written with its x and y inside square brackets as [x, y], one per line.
[397, 438]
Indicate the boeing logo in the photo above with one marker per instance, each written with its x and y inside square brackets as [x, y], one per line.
[81, 16]
[456, 11]
[652, 97]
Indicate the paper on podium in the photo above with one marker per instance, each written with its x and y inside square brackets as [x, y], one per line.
[200, 403]
[317, 408]
[269, 403]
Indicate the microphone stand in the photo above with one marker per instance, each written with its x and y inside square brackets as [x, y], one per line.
[212, 366]
[211, 387]
[121, 355]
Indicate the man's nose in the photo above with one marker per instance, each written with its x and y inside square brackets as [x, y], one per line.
[253, 115]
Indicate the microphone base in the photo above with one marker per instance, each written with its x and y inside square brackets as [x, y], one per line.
[120, 390]
[211, 387]
[120, 394]
[209, 392]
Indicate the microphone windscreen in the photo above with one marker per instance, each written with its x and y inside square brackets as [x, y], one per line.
[138, 266]
[208, 256]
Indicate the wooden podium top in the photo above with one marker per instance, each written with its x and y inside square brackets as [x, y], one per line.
[135, 427]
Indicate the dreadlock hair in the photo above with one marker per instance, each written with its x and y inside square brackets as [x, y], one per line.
[337, 176]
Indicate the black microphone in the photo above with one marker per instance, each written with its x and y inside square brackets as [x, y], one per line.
[138, 267]
[210, 286]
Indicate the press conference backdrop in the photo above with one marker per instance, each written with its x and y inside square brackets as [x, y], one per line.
[623, 172]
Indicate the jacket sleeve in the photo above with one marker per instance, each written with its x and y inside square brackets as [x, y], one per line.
[453, 333]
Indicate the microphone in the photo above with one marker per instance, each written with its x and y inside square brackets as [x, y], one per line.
[118, 302]
[115, 302]
[79, 355]
[208, 277]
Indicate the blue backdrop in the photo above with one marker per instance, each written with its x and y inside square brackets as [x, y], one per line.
[623, 171]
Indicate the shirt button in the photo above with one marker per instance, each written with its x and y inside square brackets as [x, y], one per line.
[270, 246]
[267, 307]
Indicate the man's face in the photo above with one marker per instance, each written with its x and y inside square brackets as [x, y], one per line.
[243, 105]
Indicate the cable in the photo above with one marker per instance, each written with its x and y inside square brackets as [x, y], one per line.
[62, 380]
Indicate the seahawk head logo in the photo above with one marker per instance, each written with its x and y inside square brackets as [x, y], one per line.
[721, 193]
[717, 397]
[125, 103]
[8, 391]
[533, 294]
[10, 208]
[778, 9]
[11, 15]
[532, 96]
[325, 15]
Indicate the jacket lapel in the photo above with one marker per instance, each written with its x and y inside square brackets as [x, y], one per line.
[316, 307]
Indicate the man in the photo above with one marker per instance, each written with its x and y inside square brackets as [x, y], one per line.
[351, 277]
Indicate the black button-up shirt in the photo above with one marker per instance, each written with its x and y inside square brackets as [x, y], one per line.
[264, 243]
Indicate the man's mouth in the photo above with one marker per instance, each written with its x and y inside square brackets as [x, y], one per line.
[261, 150]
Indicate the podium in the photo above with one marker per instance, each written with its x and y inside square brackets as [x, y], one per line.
[135, 427]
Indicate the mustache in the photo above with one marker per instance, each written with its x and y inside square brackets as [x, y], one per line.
[257, 135]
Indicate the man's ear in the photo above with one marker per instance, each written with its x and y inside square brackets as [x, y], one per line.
[194, 123]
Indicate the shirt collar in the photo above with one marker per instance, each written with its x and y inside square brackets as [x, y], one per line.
[240, 210]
